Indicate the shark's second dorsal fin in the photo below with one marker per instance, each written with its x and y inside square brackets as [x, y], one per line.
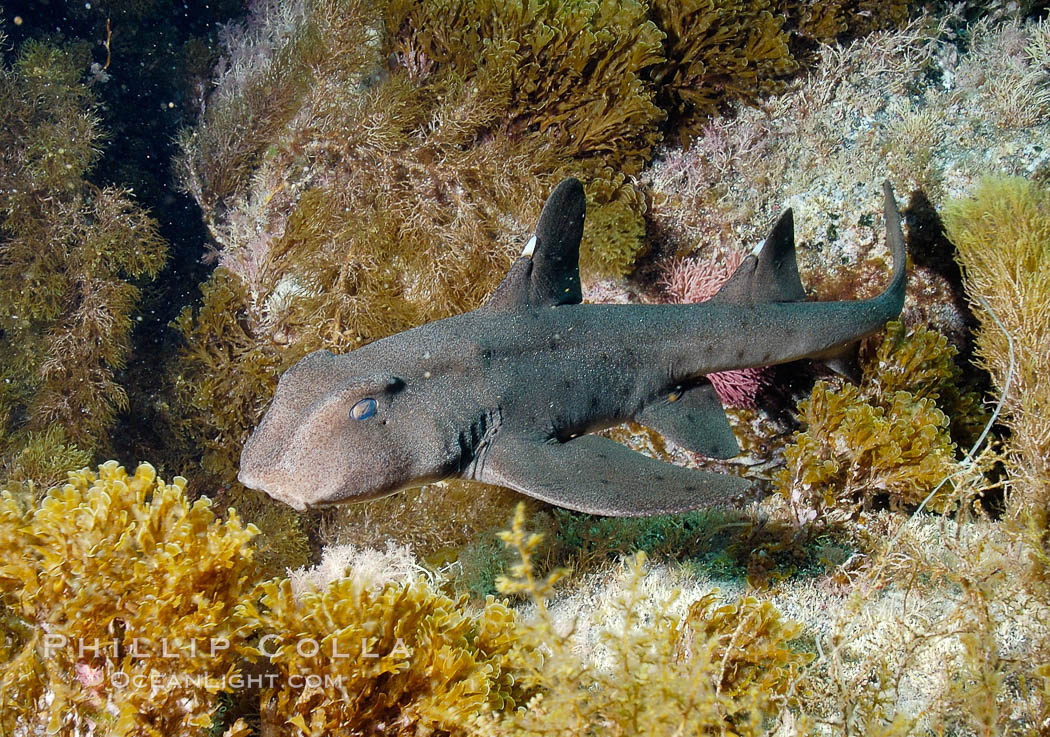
[770, 274]
[548, 271]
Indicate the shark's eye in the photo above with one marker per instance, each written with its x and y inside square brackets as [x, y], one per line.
[364, 409]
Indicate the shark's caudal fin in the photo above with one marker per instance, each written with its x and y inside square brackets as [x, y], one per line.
[886, 306]
[548, 271]
[771, 275]
[898, 248]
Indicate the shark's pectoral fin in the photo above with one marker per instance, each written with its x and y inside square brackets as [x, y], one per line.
[694, 419]
[596, 475]
[547, 273]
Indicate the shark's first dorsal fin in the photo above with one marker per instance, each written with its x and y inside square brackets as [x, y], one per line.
[770, 274]
[548, 271]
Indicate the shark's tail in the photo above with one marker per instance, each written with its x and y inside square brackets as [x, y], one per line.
[770, 274]
[884, 307]
[894, 293]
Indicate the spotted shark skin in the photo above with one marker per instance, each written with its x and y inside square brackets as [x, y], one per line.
[512, 392]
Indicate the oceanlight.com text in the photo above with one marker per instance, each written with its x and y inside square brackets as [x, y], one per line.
[215, 684]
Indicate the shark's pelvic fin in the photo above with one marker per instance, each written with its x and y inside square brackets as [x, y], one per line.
[547, 273]
[596, 475]
[771, 274]
[694, 419]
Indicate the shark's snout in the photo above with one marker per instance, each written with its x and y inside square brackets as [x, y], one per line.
[275, 468]
[274, 489]
[259, 470]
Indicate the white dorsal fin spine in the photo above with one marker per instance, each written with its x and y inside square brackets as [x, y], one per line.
[529, 247]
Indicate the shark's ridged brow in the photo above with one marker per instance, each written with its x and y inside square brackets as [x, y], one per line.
[367, 386]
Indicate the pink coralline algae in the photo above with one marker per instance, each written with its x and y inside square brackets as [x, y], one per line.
[697, 280]
[691, 280]
[740, 387]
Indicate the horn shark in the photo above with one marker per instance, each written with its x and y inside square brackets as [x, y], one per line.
[508, 393]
